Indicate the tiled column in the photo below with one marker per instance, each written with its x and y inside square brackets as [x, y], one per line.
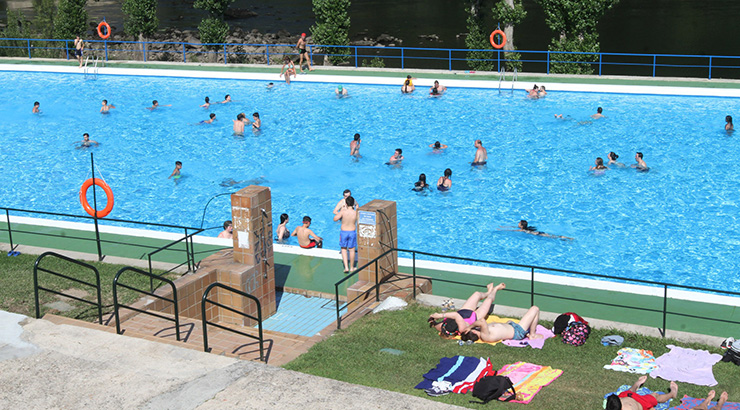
[253, 271]
[377, 232]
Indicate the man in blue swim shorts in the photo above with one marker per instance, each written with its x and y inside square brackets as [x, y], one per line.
[348, 233]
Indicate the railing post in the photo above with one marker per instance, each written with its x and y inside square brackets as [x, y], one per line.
[115, 305]
[184, 58]
[187, 249]
[377, 285]
[205, 324]
[600, 55]
[225, 58]
[654, 58]
[66, 48]
[95, 209]
[449, 58]
[548, 61]
[531, 289]
[413, 272]
[267, 53]
[401, 58]
[10, 231]
[336, 298]
[29, 48]
[106, 49]
[498, 60]
[665, 309]
[355, 56]
[710, 67]
[143, 50]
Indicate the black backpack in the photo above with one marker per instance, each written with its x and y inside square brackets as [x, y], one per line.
[491, 388]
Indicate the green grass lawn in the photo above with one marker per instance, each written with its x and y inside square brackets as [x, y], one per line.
[16, 286]
[353, 355]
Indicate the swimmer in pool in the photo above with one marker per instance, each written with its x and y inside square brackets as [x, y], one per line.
[640, 165]
[341, 92]
[342, 204]
[612, 156]
[396, 158]
[481, 155]
[227, 99]
[437, 90]
[728, 123]
[523, 226]
[228, 232]
[354, 146]
[282, 232]
[534, 92]
[288, 69]
[421, 184]
[599, 114]
[256, 121]
[155, 105]
[105, 107]
[437, 147]
[176, 173]
[270, 85]
[239, 124]
[36, 109]
[230, 182]
[541, 92]
[207, 103]
[210, 120]
[599, 165]
[86, 141]
[408, 85]
[444, 183]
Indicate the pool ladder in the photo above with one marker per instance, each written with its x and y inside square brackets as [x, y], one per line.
[91, 73]
[502, 77]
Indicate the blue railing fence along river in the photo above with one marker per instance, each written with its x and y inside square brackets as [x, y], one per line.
[653, 65]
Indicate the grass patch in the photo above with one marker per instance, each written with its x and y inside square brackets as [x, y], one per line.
[16, 286]
[353, 355]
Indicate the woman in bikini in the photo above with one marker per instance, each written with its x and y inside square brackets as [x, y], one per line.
[282, 230]
[451, 324]
[288, 69]
[444, 182]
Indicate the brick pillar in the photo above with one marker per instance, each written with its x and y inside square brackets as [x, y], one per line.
[377, 232]
[254, 270]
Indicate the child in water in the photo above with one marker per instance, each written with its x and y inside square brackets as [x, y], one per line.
[176, 172]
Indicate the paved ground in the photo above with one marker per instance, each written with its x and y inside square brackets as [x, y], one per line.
[49, 366]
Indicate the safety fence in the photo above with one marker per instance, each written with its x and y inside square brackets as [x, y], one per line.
[652, 65]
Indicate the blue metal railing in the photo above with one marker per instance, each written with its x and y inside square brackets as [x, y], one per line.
[403, 57]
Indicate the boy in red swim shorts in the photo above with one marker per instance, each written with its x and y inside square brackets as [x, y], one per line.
[630, 400]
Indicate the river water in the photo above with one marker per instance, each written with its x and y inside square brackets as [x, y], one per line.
[633, 26]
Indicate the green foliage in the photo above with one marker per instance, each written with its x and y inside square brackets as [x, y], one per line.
[71, 19]
[508, 16]
[141, 17]
[574, 23]
[213, 30]
[332, 28]
[217, 8]
[18, 27]
[43, 23]
[477, 39]
[375, 62]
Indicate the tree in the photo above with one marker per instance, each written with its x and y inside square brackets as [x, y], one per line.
[43, 23]
[71, 20]
[478, 54]
[141, 18]
[510, 13]
[17, 27]
[213, 29]
[332, 28]
[574, 23]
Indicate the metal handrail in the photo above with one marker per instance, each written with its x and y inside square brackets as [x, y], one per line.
[117, 305]
[205, 300]
[401, 54]
[375, 287]
[532, 291]
[95, 285]
[501, 77]
[189, 254]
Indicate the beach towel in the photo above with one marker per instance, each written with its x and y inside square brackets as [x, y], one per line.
[688, 403]
[641, 390]
[536, 343]
[528, 379]
[460, 371]
[631, 360]
[687, 365]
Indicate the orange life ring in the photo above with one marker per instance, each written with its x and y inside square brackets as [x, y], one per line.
[108, 193]
[107, 30]
[493, 41]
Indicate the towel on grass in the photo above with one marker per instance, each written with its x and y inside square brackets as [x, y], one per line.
[537, 343]
[641, 390]
[528, 379]
[688, 403]
[460, 371]
[631, 360]
[687, 365]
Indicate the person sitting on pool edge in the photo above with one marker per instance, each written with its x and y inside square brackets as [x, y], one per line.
[437, 90]
[455, 323]
[630, 400]
[228, 231]
[640, 165]
[481, 155]
[421, 184]
[728, 125]
[444, 183]
[306, 238]
[288, 69]
[437, 146]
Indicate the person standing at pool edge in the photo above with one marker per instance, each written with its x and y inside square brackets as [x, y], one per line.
[348, 233]
[79, 48]
[354, 146]
[481, 155]
[301, 46]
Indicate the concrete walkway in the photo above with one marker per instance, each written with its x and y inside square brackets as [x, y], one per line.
[49, 366]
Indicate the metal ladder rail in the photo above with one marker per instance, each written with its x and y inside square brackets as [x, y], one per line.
[513, 80]
[501, 78]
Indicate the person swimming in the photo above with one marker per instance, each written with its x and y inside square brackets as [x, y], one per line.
[444, 183]
[525, 227]
[37, 104]
[408, 86]
[437, 147]
[612, 156]
[437, 90]
[599, 166]
[421, 184]
[105, 108]
[210, 120]
[207, 103]
[640, 165]
[86, 142]
[728, 123]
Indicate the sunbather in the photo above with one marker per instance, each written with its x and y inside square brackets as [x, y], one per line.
[454, 323]
[704, 405]
[630, 400]
[496, 332]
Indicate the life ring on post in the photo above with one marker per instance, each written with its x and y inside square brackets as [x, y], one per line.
[495, 45]
[108, 193]
[107, 30]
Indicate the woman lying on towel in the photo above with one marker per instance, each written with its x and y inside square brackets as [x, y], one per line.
[496, 332]
[455, 323]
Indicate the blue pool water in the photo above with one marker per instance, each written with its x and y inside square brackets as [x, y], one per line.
[675, 223]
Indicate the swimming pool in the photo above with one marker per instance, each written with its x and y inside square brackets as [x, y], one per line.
[674, 223]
